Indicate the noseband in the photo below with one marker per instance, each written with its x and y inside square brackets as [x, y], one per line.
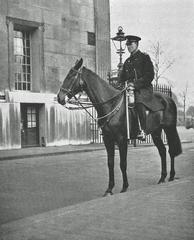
[78, 75]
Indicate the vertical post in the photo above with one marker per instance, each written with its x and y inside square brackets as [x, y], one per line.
[127, 112]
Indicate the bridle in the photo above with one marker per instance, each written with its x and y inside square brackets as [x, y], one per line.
[69, 91]
[81, 83]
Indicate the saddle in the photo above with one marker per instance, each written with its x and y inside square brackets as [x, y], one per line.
[153, 118]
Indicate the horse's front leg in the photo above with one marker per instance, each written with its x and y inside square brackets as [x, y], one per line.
[123, 145]
[110, 148]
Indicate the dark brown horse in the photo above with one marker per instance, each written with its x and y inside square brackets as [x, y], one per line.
[110, 106]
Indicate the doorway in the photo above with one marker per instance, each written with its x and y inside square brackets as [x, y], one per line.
[29, 125]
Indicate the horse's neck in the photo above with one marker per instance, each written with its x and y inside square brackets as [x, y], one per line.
[98, 91]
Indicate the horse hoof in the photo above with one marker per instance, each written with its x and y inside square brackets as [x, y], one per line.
[171, 179]
[108, 193]
[161, 181]
[123, 190]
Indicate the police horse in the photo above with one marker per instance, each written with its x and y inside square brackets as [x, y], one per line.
[111, 109]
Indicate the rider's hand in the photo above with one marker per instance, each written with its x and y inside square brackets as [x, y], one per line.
[131, 86]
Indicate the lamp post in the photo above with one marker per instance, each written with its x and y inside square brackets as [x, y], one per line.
[120, 37]
[120, 50]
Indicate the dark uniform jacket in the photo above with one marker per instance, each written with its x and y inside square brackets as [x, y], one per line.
[138, 68]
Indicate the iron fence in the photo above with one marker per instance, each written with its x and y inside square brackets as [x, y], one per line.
[161, 88]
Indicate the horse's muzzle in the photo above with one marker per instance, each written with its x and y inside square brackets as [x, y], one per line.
[62, 99]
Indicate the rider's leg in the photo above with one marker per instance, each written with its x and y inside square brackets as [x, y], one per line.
[141, 111]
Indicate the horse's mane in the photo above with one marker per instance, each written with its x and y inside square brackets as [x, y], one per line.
[97, 79]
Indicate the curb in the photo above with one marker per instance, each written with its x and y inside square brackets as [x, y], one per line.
[74, 151]
[49, 154]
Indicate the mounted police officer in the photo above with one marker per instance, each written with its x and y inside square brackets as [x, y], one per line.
[138, 71]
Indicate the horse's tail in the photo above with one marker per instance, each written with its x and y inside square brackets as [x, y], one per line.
[173, 110]
[174, 142]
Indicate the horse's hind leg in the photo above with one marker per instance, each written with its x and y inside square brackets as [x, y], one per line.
[174, 147]
[110, 148]
[156, 136]
[172, 169]
[123, 163]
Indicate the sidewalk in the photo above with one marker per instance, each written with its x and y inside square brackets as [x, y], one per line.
[156, 212]
[48, 151]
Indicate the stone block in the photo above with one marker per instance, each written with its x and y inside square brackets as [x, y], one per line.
[35, 14]
[52, 45]
[87, 3]
[51, 17]
[87, 25]
[56, 32]
[70, 61]
[14, 2]
[17, 12]
[87, 12]
[88, 50]
[90, 63]
[47, 4]
[83, 37]
[75, 9]
[3, 7]
[58, 60]
[52, 77]
[75, 35]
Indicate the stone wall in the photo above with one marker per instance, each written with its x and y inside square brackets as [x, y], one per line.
[66, 24]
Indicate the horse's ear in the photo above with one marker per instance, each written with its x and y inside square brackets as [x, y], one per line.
[78, 64]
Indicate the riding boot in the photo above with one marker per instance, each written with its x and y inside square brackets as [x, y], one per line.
[141, 112]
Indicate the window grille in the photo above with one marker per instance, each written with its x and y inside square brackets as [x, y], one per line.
[22, 60]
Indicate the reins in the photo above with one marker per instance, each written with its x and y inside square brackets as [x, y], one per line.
[116, 108]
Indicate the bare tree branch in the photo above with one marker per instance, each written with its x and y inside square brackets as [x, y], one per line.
[183, 95]
[161, 65]
[166, 68]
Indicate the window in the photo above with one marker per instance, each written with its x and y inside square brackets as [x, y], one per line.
[91, 38]
[25, 55]
[31, 117]
[22, 60]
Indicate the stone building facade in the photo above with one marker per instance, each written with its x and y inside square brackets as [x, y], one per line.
[40, 40]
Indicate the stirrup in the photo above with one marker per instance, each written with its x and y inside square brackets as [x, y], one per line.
[141, 135]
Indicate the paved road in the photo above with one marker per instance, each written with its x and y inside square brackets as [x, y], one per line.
[35, 185]
[152, 213]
